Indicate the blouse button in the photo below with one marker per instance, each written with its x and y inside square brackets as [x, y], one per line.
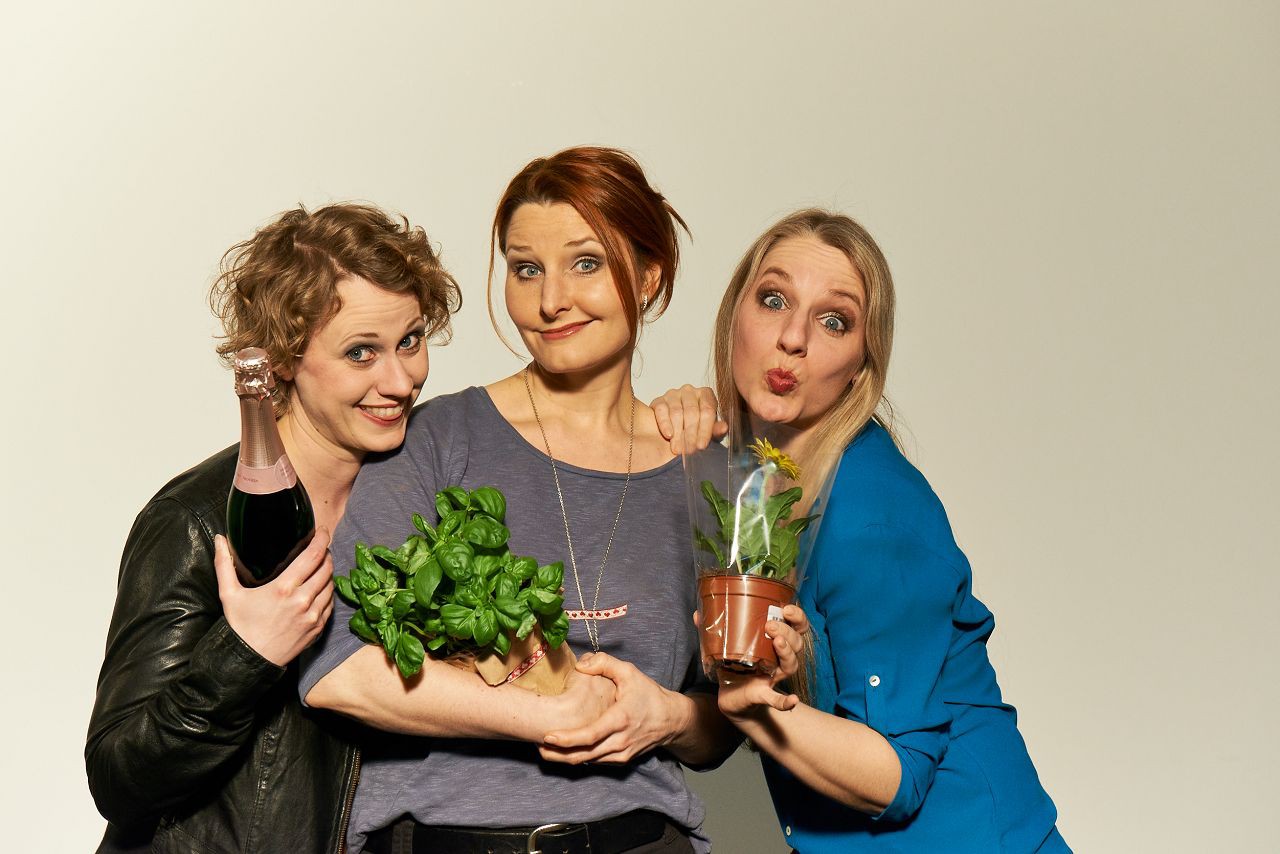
[874, 681]
[787, 829]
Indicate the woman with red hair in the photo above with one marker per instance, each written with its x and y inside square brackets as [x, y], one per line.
[590, 251]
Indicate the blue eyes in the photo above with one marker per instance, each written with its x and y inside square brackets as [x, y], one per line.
[363, 353]
[833, 321]
[585, 265]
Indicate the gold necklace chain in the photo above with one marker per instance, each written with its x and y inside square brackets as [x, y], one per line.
[593, 630]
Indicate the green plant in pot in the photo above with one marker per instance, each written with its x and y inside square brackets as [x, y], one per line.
[457, 592]
[747, 546]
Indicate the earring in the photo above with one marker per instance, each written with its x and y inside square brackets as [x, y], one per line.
[644, 303]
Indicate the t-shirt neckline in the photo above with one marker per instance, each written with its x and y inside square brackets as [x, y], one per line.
[524, 444]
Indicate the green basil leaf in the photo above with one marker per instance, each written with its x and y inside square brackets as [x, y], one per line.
[492, 502]
[511, 606]
[455, 558]
[390, 637]
[361, 627]
[416, 561]
[486, 625]
[507, 622]
[450, 522]
[372, 609]
[342, 584]
[426, 580]
[486, 532]
[459, 620]
[523, 568]
[405, 553]
[502, 643]
[388, 557]
[402, 604]
[486, 565]
[364, 559]
[457, 495]
[409, 655]
[505, 587]
[362, 579]
[550, 577]
[526, 625]
[443, 506]
[436, 642]
[427, 531]
[555, 632]
[544, 601]
[473, 593]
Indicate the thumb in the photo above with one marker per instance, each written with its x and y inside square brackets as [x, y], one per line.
[590, 663]
[224, 566]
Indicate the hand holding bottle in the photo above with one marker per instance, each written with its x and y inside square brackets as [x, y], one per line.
[283, 617]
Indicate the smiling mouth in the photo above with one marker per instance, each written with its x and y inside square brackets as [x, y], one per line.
[780, 381]
[563, 331]
[385, 415]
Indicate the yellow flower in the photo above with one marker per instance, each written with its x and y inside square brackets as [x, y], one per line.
[766, 453]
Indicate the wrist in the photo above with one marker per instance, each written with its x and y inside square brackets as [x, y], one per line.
[682, 713]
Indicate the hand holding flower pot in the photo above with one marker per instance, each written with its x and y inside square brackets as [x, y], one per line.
[457, 591]
[747, 546]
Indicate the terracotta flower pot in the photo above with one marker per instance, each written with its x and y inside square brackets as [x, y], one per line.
[734, 609]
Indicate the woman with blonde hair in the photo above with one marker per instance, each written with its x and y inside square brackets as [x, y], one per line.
[903, 742]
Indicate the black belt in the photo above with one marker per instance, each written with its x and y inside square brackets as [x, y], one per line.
[606, 836]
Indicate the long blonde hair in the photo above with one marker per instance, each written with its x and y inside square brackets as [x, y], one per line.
[864, 399]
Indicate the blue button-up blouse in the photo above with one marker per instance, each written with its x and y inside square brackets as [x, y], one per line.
[900, 645]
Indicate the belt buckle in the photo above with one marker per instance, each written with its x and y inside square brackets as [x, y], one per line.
[531, 845]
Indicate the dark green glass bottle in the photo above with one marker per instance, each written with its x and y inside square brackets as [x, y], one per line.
[269, 516]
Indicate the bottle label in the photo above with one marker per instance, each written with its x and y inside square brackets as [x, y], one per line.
[264, 481]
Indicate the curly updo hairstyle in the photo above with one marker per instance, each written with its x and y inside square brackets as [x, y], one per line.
[280, 286]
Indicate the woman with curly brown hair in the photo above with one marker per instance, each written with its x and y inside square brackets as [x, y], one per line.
[197, 739]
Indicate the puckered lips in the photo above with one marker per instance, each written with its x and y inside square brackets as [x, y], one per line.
[557, 333]
[780, 380]
[384, 415]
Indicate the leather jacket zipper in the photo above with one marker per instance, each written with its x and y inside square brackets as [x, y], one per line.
[345, 818]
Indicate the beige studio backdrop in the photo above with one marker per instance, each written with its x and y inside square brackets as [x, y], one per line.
[1078, 202]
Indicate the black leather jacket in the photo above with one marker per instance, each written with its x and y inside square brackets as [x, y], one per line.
[196, 742]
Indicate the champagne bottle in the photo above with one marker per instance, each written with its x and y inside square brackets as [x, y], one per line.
[269, 517]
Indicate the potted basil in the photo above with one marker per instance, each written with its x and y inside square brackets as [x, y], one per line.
[457, 592]
[746, 546]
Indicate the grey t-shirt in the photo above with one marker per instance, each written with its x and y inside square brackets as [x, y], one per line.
[462, 439]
